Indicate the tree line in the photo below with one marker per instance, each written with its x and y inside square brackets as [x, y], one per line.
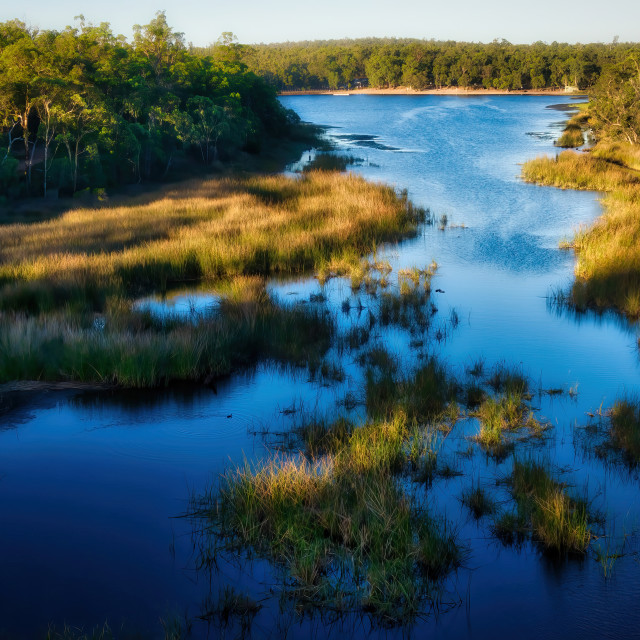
[423, 64]
[615, 107]
[83, 108]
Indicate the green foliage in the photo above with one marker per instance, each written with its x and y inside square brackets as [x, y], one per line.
[615, 113]
[83, 108]
[389, 62]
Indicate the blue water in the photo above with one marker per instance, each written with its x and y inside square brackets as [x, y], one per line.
[92, 486]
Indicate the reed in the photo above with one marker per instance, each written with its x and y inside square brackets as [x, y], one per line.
[206, 229]
[559, 521]
[625, 428]
[133, 350]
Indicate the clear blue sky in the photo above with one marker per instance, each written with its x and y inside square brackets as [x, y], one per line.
[252, 21]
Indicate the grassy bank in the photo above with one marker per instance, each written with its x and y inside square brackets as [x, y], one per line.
[203, 230]
[608, 253]
[68, 282]
[574, 132]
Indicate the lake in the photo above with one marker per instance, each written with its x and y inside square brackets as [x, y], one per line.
[93, 485]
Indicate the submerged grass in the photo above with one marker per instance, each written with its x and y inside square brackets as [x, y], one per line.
[608, 253]
[558, 520]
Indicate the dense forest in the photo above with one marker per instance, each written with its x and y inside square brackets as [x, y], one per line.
[83, 108]
[422, 64]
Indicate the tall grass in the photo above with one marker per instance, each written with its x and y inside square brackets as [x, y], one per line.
[608, 253]
[424, 396]
[341, 526]
[56, 274]
[133, 350]
[559, 521]
[572, 136]
[625, 428]
[209, 229]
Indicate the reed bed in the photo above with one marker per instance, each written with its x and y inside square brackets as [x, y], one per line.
[67, 284]
[347, 534]
[134, 350]
[608, 253]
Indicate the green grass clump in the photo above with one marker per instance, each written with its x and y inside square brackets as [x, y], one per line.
[477, 500]
[625, 428]
[557, 520]
[502, 417]
[341, 526]
[423, 396]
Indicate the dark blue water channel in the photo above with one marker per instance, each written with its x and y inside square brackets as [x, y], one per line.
[92, 485]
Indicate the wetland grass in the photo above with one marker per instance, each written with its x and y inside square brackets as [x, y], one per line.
[573, 134]
[614, 434]
[57, 274]
[507, 413]
[424, 396]
[559, 521]
[203, 230]
[343, 528]
[134, 350]
[625, 428]
[608, 253]
[478, 501]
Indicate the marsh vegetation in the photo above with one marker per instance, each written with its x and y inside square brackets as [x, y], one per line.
[69, 283]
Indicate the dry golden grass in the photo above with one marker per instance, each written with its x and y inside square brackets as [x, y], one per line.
[208, 230]
[608, 253]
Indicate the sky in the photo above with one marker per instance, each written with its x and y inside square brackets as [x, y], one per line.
[254, 21]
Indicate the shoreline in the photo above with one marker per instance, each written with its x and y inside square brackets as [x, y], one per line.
[448, 91]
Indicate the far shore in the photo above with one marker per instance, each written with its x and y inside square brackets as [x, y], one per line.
[445, 91]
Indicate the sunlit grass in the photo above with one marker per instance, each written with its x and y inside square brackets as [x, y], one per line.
[608, 253]
[211, 229]
[558, 520]
[342, 526]
[57, 274]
